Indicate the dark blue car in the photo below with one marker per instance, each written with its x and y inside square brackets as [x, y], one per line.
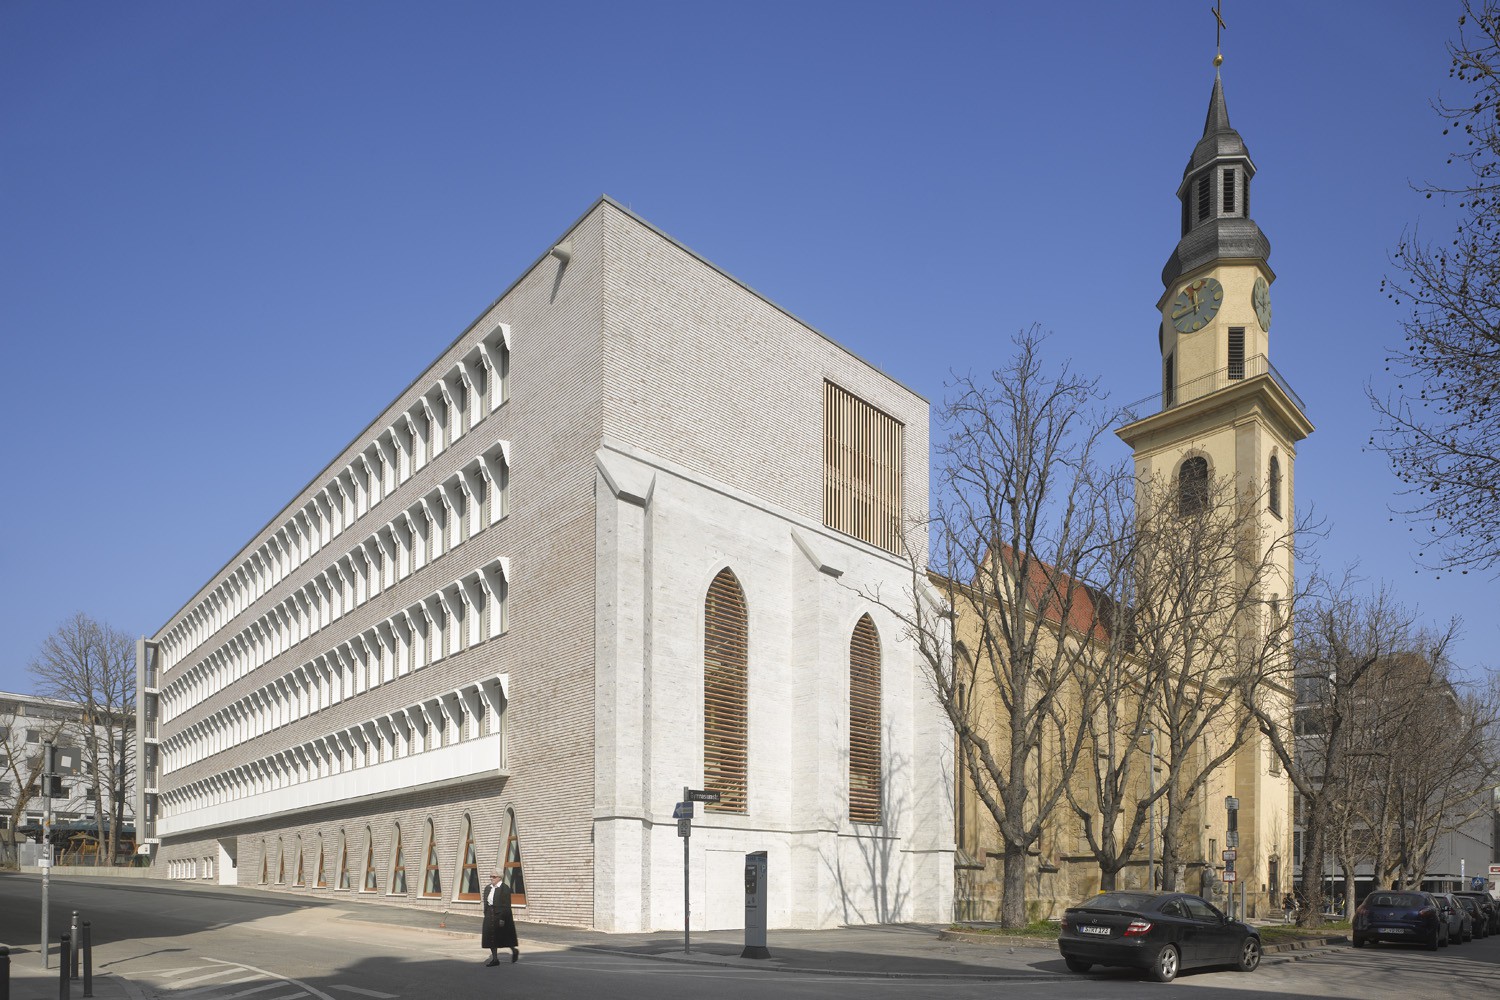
[1413, 917]
[1160, 932]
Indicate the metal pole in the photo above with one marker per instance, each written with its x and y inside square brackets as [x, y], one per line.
[87, 947]
[687, 941]
[64, 985]
[73, 930]
[1151, 832]
[46, 851]
[4, 973]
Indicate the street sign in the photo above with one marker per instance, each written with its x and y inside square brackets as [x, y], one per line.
[683, 810]
[702, 795]
[1231, 803]
[1232, 838]
[1229, 855]
[1495, 869]
[1231, 875]
[684, 828]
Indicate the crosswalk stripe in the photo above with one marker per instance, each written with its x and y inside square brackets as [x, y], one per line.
[365, 993]
[229, 971]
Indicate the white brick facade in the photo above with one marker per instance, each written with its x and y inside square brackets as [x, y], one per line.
[660, 422]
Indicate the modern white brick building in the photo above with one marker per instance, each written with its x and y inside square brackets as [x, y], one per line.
[613, 542]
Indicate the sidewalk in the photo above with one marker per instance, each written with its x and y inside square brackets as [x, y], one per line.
[29, 981]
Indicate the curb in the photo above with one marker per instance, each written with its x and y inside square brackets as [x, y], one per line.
[984, 977]
[968, 937]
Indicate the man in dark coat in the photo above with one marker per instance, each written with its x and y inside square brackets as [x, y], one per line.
[499, 924]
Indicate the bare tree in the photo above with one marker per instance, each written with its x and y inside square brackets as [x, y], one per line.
[1440, 424]
[93, 666]
[1017, 532]
[21, 759]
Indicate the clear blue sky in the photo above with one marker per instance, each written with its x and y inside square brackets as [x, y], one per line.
[231, 232]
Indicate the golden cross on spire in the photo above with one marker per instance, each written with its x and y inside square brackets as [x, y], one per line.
[1219, 29]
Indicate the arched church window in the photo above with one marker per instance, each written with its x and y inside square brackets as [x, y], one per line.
[864, 723]
[1273, 486]
[725, 693]
[1192, 486]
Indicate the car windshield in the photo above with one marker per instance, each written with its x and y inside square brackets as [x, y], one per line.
[1119, 901]
[1397, 899]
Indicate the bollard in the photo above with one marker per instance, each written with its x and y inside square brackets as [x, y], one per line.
[87, 945]
[4, 973]
[64, 964]
[77, 941]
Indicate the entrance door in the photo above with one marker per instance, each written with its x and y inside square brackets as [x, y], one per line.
[228, 855]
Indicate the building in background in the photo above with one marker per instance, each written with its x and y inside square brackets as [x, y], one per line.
[27, 724]
[616, 541]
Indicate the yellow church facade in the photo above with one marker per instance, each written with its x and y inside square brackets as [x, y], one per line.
[1227, 421]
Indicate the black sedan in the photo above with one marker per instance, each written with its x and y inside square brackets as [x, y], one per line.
[1400, 916]
[1161, 932]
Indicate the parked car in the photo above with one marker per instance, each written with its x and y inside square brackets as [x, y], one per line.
[1488, 906]
[1400, 916]
[1160, 932]
[1460, 925]
[1480, 920]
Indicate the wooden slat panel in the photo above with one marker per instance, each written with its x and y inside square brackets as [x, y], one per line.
[864, 723]
[861, 469]
[725, 693]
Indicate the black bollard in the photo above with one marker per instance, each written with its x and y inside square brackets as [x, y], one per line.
[4, 973]
[87, 945]
[64, 964]
[77, 943]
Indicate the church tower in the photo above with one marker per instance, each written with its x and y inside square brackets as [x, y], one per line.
[1227, 416]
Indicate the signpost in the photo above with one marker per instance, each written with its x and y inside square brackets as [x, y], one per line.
[1232, 840]
[683, 814]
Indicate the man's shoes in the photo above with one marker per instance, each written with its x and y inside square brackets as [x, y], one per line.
[515, 954]
[494, 961]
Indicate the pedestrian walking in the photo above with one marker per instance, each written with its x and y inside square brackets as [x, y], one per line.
[499, 923]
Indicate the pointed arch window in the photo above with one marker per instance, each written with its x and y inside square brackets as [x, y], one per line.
[370, 880]
[265, 863]
[468, 870]
[343, 879]
[398, 866]
[1273, 485]
[280, 861]
[300, 879]
[320, 874]
[864, 723]
[432, 878]
[510, 864]
[1192, 486]
[725, 693]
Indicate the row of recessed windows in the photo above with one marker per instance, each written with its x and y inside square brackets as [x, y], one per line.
[726, 722]
[394, 867]
[469, 712]
[472, 389]
[462, 614]
[1198, 199]
[1193, 488]
[454, 511]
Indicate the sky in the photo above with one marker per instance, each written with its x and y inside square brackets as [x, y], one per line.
[232, 232]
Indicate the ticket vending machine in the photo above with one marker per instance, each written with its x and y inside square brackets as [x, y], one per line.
[755, 906]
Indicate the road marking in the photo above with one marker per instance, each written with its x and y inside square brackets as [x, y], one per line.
[365, 993]
[271, 975]
[220, 986]
[199, 979]
[252, 991]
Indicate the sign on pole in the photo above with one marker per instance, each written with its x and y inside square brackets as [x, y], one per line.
[1231, 875]
[684, 828]
[683, 810]
[1229, 855]
[701, 795]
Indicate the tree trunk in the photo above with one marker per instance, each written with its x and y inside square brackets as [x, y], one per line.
[1013, 903]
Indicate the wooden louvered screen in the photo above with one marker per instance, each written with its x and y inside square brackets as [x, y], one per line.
[864, 723]
[861, 469]
[726, 636]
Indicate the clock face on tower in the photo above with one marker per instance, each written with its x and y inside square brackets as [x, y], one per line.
[1196, 305]
[1261, 298]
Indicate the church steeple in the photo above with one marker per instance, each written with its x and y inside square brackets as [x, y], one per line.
[1215, 197]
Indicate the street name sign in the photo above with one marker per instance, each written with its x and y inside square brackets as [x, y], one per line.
[702, 795]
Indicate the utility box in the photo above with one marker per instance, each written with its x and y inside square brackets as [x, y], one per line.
[755, 906]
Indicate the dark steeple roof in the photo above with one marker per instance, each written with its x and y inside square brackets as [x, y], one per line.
[1222, 236]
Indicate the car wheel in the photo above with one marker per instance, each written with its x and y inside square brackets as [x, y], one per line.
[1164, 969]
[1445, 941]
[1435, 942]
[1249, 955]
[1078, 964]
[1358, 942]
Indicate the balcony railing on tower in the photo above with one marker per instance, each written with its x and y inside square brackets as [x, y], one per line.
[1185, 392]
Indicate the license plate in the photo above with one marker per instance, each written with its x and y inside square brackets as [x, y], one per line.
[1094, 930]
[1394, 930]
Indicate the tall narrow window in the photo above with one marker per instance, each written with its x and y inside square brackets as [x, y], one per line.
[1273, 486]
[725, 693]
[320, 874]
[1236, 352]
[300, 880]
[511, 866]
[1169, 382]
[1205, 197]
[864, 723]
[398, 866]
[1192, 486]
[432, 879]
[265, 863]
[370, 881]
[861, 469]
[1186, 216]
[468, 871]
[1228, 190]
[280, 861]
[343, 882]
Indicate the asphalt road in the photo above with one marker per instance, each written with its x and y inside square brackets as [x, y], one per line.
[202, 943]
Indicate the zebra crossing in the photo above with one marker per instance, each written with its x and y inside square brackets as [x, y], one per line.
[220, 979]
